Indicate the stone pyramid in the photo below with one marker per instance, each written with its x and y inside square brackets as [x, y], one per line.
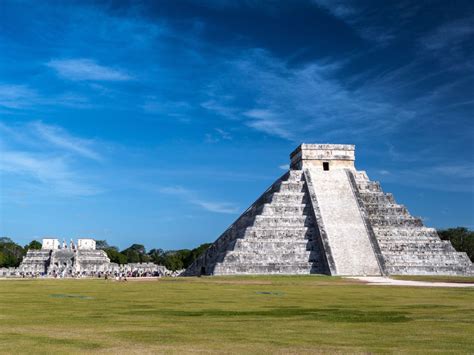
[323, 216]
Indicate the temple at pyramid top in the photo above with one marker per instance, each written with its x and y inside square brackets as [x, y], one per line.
[324, 216]
[323, 156]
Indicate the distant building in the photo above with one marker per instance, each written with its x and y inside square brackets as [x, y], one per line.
[56, 259]
[50, 244]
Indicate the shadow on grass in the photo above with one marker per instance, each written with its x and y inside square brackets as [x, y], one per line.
[323, 314]
[60, 295]
[42, 340]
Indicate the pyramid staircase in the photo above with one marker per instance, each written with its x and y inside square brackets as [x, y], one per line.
[407, 246]
[276, 235]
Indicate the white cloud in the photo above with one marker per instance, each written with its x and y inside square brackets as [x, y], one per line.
[269, 122]
[220, 106]
[38, 156]
[179, 110]
[218, 135]
[22, 96]
[190, 197]
[218, 207]
[284, 167]
[293, 103]
[449, 35]
[54, 173]
[85, 70]
[432, 178]
[60, 138]
[16, 96]
[223, 134]
[338, 8]
[380, 23]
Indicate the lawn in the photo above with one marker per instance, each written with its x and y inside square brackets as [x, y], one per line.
[232, 314]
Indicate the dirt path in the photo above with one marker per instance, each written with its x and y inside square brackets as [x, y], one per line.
[386, 281]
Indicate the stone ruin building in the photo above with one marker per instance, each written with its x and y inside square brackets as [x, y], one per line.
[324, 216]
[65, 260]
[83, 259]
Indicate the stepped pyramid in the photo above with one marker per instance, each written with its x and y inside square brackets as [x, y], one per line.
[325, 217]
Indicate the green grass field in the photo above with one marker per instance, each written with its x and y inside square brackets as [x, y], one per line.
[232, 314]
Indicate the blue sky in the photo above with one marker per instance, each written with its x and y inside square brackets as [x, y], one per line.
[160, 122]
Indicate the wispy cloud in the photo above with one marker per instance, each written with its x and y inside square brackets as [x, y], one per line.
[20, 97]
[60, 138]
[86, 70]
[338, 8]
[17, 96]
[378, 22]
[218, 135]
[191, 197]
[53, 173]
[268, 96]
[269, 122]
[449, 44]
[449, 35]
[178, 110]
[451, 178]
[38, 156]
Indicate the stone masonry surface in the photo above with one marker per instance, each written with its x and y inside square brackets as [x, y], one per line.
[347, 234]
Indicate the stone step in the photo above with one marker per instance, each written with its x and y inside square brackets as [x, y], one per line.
[295, 175]
[396, 246]
[407, 240]
[270, 268]
[289, 186]
[369, 186]
[281, 229]
[405, 269]
[415, 242]
[293, 256]
[386, 210]
[282, 209]
[360, 176]
[286, 197]
[275, 222]
[274, 244]
[392, 258]
[403, 221]
[377, 198]
[381, 231]
[279, 233]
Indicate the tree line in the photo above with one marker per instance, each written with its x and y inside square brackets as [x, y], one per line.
[12, 253]
[136, 253]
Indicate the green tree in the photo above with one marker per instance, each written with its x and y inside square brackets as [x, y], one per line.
[177, 259]
[12, 253]
[196, 253]
[136, 253]
[102, 244]
[115, 256]
[3, 259]
[461, 238]
[157, 256]
[34, 244]
[173, 261]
